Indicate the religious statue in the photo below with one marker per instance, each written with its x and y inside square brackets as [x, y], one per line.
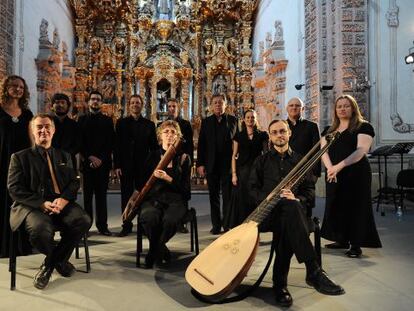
[56, 39]
[108, 85]
[220, 85]
[278, 31]
[43, 31]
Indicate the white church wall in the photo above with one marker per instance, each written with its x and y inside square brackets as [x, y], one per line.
[391, 34]
[291, 13]
[29, 14]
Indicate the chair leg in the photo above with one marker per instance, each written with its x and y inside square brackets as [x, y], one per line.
[194, 225]
[12, 262]
[139, 244]
[87, 258]
[317, 237]
[192, 217]
[77, 252]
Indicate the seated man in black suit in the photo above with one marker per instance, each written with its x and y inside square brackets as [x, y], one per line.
[43, 186]
[287, 220]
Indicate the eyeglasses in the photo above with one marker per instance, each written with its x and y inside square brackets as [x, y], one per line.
[281, 132]
[172, 132]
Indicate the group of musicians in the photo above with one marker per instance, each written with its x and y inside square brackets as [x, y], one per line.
[43, 180]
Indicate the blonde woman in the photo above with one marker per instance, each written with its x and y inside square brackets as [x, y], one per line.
[166, 203]
[348, 219]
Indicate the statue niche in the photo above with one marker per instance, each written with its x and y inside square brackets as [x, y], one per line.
[163, 93]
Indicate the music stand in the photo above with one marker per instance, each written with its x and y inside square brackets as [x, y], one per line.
[385, 151]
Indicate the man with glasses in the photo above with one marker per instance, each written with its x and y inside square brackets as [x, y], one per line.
[287, 220]
[97, 140]
[135, 139]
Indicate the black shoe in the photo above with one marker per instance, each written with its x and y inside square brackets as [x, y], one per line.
[65, 269]
[323, 284]
[337, 245]
[215, 231]
[42, 277]
[282, 297]
[149, 260]
[354, 252]
[105, 232]
[124, 232]
[183, 228]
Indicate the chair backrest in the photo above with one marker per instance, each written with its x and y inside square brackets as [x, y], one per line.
[405, 178]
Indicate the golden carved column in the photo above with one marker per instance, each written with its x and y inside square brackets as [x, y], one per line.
[153, 83]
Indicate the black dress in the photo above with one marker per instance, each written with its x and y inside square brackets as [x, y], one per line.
[249, 149]
[348, 212]
[14, 136]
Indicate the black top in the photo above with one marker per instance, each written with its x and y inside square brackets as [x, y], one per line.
[305, 134]
[66, 136]
[97, 139]
[250, 149]
[268, 171]
[179, 189]
[135, 139]
[347, 142]
[207, 145]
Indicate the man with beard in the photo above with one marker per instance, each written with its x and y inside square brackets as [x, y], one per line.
[67, 130]
[97, 140]
[135, 138]
[287, 220]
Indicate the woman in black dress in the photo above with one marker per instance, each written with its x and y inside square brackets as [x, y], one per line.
[14, 136]
[348, 219]
[166, 203]
[248, 144]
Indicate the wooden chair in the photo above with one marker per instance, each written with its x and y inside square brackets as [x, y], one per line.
[13, 258]
[190, 217]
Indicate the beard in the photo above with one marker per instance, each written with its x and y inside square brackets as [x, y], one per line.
[95, 109]
[61, 113]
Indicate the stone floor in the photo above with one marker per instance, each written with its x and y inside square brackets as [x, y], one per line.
[383, 279]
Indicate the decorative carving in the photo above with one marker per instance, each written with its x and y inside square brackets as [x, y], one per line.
[392, 14]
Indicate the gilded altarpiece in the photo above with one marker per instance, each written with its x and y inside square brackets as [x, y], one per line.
[159, 49]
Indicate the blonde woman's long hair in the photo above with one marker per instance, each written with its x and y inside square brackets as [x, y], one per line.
[356, 119]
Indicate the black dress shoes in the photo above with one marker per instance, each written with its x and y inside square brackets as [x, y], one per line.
[42, 277]
[164, 256]
[323, 284]
[282, 297]
[354, 252]
[215, 231]
[337, 245]
[124, 232]
[105, 232]
[183, 228]
[65, 269]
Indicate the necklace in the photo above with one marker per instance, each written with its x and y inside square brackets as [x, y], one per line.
[15, 119]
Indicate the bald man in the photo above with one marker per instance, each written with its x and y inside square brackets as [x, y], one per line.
[305, 134]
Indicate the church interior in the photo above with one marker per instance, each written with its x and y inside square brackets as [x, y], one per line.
[260, 53]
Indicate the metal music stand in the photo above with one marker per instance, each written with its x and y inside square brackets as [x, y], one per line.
[385, 151]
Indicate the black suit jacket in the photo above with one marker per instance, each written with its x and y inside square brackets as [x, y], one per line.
[131, 151]
[25, 181]
[206, 151]
[97, 139]
[305, 134]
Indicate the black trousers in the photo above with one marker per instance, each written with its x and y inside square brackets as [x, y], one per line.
[129, 183]
[216, 180]
[96, 182]
[72, 222]
[160, 221]
[291, 236]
